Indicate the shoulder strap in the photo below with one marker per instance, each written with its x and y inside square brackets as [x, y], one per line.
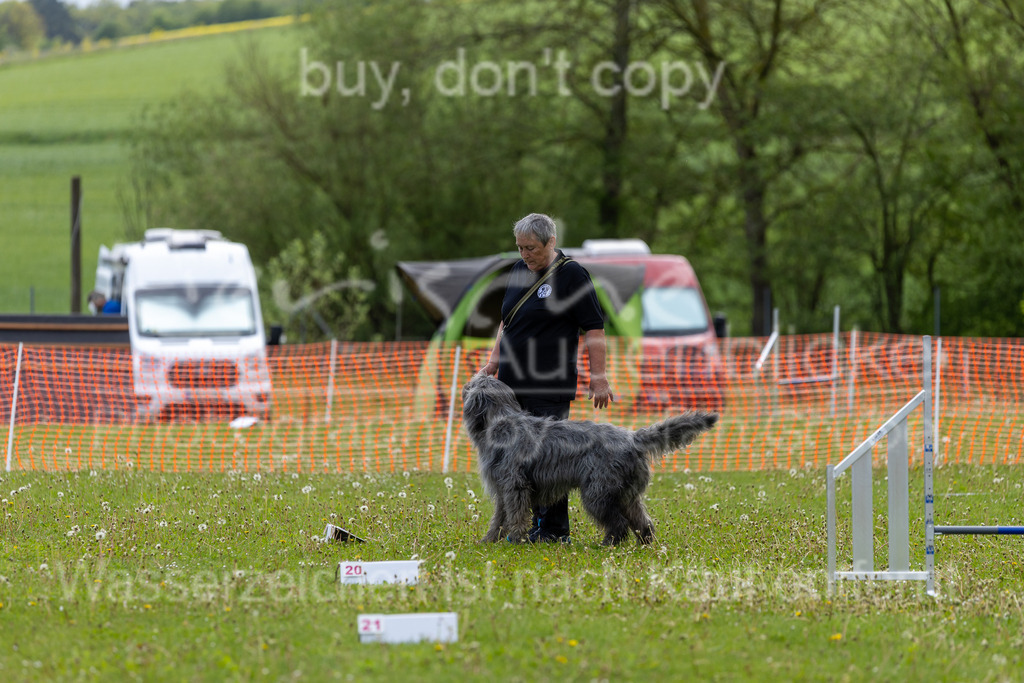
[548, 273]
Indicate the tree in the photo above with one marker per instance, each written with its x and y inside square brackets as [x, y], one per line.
[57, 19]
[761, 42]
[20, 26]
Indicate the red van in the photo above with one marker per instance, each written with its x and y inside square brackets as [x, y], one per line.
[681, 365]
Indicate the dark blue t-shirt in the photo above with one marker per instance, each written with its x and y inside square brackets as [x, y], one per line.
[540, 343]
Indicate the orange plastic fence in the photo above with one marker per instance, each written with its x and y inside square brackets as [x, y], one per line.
[385, 406]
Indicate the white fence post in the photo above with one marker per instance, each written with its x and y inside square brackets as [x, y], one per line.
[14, 408]
[451, 409]
[330, 380]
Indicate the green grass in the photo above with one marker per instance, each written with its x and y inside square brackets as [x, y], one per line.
[734, 589]
[71, 115]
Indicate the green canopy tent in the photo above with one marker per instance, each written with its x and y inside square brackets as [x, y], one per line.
[463, 297]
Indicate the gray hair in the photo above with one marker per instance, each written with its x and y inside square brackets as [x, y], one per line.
[538, 225]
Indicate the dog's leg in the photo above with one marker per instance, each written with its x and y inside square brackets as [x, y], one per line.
[640, 522]
[517, 514]
[497, 522]
[607, 512]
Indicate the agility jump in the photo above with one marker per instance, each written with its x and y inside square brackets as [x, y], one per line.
[859, 462]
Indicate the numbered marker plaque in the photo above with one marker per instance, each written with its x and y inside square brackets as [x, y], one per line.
[435, 627]
[395, 571]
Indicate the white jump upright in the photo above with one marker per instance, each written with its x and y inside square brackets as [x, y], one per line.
[859, 463]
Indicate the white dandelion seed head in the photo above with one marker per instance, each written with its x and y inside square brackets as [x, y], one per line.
[257, 477]
[363, 508]
[401, 494]
[101, 534]
[202, 527]
[450, 555]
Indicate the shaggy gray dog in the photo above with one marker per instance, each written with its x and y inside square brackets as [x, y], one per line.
[533, 461]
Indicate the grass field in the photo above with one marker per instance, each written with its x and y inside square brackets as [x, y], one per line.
[71, 115]
[223, 577]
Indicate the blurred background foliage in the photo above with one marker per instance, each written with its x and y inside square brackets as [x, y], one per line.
[863, 153]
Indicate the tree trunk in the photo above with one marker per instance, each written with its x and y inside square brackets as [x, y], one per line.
[610, 203]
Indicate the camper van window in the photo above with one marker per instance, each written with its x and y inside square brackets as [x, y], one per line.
[195, 312]
[672, 311]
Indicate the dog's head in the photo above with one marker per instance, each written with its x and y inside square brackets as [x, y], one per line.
[483, 398]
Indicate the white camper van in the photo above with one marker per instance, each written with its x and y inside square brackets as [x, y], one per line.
[194, 322]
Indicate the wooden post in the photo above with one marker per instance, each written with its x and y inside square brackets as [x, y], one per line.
[76, 244]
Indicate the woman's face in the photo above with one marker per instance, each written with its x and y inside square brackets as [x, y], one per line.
[536, 255]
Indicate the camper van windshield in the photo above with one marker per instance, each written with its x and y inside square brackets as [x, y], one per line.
[670, 311]
[195, 312]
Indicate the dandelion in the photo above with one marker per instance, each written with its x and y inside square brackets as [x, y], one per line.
[449, 483]
[101, 534]
[401, 494]
[278, 497]
[356, 485]
[60, 494]
[430, 507]
[744, 517]
[471, 493]
[762, 494]
[191, 512]
[715, 507]
[257, 477]
[380, 494]
[44, 567]
[307, 489]
[835, 637]
[573, 643]
[406, 474]
[295, 475]
[690, 487]
[202, 527]
[162, 523]
[450, 555]
[363, 508]
[475, 517]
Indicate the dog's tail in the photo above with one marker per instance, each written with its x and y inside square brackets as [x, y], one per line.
[673, 433]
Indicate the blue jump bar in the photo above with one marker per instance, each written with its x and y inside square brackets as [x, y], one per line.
[1007, 530]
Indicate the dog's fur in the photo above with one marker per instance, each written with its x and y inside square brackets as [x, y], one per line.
[533, 461]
